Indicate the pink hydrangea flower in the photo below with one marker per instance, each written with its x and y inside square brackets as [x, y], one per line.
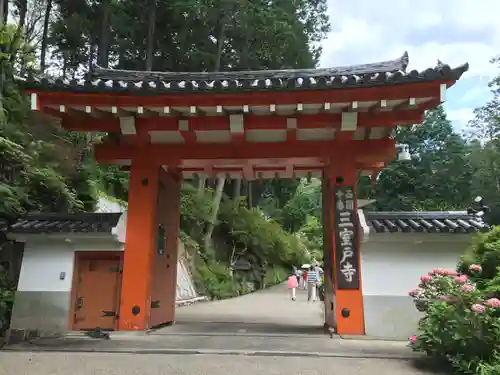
[413, 339]
[493, 302]
[462, 279]
[478, 308]
[467, 288]
[475, 268]
[413, 292]
[436, 271]
[443, 272]
[425, 278]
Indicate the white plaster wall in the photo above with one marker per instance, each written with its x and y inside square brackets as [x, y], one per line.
[391, 268]
[45, 259]
[41, 268]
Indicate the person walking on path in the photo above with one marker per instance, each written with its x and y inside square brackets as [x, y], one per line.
[312, 280]
[304, 279]
[319, 274]
[292, 285]
[297, 275]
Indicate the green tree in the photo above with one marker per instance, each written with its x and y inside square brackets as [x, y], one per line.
[439, 175]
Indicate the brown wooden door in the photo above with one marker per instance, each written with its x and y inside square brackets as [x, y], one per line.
[96, 297]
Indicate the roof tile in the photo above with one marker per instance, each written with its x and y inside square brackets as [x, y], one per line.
[366, 75]
[64, 223]
[431, 222]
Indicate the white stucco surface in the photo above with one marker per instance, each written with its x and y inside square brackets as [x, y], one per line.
[45, 259]
[392, 269]
[41, 269]
[391, 265]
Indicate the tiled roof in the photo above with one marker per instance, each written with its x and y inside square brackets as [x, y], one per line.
[63, 223]
[366, 75]
[433, 222]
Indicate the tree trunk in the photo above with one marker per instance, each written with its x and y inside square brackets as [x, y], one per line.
[43, 53]
[250, 195]
[4, 10]
[22, 6]
[237, 189]
[151, 34]
[103, 52]
[202, 183]
[220, 181]
[215, 212]
[23, 10]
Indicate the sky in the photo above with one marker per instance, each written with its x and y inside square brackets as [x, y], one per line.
[453, 31]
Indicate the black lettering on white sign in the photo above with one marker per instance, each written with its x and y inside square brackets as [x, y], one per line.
[346, 225]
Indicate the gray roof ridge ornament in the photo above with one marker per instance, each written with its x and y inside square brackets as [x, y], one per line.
[389, 66]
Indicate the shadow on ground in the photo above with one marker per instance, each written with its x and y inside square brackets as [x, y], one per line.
[246, 329]
[432, 366]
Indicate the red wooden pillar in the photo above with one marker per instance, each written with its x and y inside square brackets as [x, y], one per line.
[171, 219]
[349, 313]
[140, 245]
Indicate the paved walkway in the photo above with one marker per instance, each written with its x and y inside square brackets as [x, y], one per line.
[120, 364]
[269, 311]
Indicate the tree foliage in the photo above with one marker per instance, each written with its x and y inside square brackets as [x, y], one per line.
[45, 168]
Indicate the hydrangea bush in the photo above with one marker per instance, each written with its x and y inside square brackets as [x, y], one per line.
[461, 324]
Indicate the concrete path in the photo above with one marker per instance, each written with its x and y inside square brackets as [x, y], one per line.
[120, 364]
[269, 311]
[271, 305]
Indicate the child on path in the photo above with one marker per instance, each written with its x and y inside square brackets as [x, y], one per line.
[292, 285]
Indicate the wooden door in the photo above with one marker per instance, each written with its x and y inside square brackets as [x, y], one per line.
[97, 292]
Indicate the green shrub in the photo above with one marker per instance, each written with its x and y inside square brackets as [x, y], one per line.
[255, 233]
[6, 300]
[485, 252]
[215, 281]
[241, 234]
[275, 275]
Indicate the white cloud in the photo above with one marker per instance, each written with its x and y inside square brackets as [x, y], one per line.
[460, 116]
[475, 94]
[453, 31]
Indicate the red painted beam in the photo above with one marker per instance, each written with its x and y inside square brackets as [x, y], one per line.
[284, 167]
[84, 122]
[175, 153]
[252, 122]
[389, 92]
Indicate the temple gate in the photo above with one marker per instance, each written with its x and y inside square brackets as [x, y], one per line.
[333, 123]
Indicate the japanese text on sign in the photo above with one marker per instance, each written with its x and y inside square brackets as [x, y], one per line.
[346, 228]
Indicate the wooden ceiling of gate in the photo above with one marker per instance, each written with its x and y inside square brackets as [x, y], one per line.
[262, 124]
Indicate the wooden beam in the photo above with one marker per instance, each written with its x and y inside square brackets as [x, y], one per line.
[251, 122]
[389, 92]
[291, 129]
[248, 171]
[236, 128]
[380, 105]
[185, 130]
[172, 153]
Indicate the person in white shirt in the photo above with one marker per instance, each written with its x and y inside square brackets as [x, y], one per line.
[312, 280]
